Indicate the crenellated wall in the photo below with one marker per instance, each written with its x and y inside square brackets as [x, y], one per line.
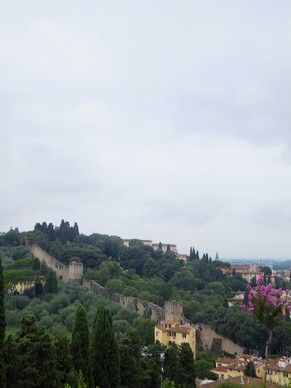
[144, 308]
[73, 273]
[173, 310]
[60, 269]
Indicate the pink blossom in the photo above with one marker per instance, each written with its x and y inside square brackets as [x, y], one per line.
[260, 280]
[266, 302]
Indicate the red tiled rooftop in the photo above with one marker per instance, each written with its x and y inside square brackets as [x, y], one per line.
[225, 360]
[167, 322]
[177, 329]
[273, 365]
[220, 369]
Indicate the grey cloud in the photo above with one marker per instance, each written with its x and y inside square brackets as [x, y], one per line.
[148, 118]
[272, 214]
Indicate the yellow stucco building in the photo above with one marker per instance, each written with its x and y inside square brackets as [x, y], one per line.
[279, 371]
[229, 367]
[169, 332]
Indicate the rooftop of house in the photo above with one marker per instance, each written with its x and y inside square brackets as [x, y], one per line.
[176, 329]
[238, 363]
[167, 322]
[282, 364]
[242, 380]
[225, 360]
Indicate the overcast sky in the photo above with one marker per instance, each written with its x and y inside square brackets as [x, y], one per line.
[162, 120]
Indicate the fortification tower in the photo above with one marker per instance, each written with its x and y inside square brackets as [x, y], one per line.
[174, 311]
[75, 272]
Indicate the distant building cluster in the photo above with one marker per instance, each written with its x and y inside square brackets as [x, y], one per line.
[232, 370]
[229, 367]
[249, 271]
[163, 246]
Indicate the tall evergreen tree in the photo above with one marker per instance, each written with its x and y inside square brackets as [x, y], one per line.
[63, 358]
[36, 358]
[51, 285]
[80, 344]
[250, 370]
[132, 371]
[76, 229]
[172, 364]
[51, 232]
[187, 377]
[2, 328]
[12, 362]
[104, 351]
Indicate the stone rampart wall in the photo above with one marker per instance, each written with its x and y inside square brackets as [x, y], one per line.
[207, 335]
[60, 269]
[144, 308]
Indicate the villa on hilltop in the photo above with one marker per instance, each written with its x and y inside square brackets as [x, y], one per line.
[163, 246]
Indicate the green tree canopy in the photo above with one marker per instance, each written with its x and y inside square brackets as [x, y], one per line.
[80, 344]
[104, 351]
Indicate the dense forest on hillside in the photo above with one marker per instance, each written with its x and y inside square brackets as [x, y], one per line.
[141, 271]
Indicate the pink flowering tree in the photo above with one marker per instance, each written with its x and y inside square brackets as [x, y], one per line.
[267, 303]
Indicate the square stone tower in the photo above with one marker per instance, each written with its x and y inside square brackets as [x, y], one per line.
[174, 311]
[75, 272]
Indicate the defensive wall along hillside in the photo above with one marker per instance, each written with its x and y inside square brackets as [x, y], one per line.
[74, 273]
[211, 341]
[71, 273]
[173, 311]
[144, 308]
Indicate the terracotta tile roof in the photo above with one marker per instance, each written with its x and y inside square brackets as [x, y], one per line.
[220, 369]
[242, 380]
[245, 356]
[236, 364]
[273, 365]
[225, 360]
[161, 328]
[179, 329]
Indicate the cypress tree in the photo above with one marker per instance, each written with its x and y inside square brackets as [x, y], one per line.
[51, 285]
[172, 365]
[12, 362]
[80, 344]
[36, 358]
[250, 370]
[187, 366]
[132, 372]
[104, 351]
[63, 358]
[2, 328]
